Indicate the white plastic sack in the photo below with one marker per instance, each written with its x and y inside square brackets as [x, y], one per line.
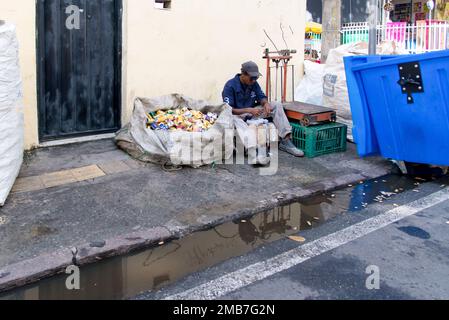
[11, 116]
[178, 147]
[335, 90]
[310, 89]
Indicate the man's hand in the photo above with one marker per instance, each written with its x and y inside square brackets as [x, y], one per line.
[256, 112]
[266, 109]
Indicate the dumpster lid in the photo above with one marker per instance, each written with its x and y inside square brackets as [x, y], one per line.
[403, 59]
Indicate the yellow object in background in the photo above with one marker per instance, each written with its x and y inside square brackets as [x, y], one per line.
[314, 27]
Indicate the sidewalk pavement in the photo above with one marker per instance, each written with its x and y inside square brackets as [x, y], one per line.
[95, 197]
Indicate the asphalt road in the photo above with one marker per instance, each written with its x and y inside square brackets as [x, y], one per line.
[397, 249]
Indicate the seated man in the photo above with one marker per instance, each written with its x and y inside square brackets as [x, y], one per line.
[247, 100]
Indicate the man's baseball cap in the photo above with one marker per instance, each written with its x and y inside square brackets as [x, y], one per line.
[251, 68]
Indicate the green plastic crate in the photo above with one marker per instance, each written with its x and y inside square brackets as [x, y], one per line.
[319, 140]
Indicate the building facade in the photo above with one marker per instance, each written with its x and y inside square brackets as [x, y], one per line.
[409, 11]
[83, 62]
[412, 11]
[351, 10]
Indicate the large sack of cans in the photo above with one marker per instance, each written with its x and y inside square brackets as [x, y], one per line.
[175, 129]
[181, 119]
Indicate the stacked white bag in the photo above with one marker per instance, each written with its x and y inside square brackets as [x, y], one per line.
[310, 89]
[335, 88]
[11, 111]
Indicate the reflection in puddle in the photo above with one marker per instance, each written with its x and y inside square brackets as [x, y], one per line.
[125, 277]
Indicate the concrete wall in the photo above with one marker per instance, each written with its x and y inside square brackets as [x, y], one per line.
[23, 15]
[198, 45]
[192, 48]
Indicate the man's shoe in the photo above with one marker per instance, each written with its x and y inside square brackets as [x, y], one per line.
[289, 147]
[263, 160]
[259, 159]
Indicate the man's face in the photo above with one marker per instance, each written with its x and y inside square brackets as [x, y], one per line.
[248, 80]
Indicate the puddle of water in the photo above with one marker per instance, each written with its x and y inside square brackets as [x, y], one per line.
[125, 277]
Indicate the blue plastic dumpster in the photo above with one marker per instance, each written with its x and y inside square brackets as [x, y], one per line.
[400, 106]
[362, 131]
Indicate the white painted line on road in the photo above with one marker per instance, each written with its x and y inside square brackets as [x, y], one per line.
[264, 269]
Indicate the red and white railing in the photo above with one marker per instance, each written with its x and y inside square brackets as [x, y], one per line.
[424, 36]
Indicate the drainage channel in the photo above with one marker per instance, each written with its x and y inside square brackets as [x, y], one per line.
[127, 276]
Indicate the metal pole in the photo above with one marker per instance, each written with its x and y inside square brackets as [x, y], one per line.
[293, 82]
[282, 84]
[268, 84]
[385, 14]
[271, 85]
[285, 81]
[277, 73]
[431, 6]
[373, 6]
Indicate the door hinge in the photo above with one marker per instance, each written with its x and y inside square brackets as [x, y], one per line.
[411, 80]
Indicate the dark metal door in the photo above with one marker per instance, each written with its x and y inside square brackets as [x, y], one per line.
[79, 67]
